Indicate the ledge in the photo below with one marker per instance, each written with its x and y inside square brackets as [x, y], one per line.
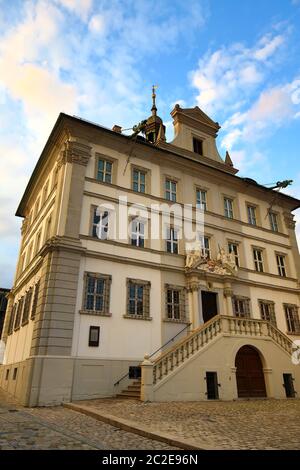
[175, 320]
[137, 317]
[96, 313]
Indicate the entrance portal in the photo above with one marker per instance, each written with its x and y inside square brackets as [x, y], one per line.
[209, 305]
[249, 373]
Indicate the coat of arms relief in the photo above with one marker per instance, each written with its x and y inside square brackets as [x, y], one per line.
[224, 265]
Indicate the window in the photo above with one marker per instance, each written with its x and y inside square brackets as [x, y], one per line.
[212, 390]
[138, 299]
[137, 233]
[19, 313]
[205, 246]
[97, 294]
[175, 303]
[228, 208]
[45, 193]
[267, 311]
[258, 260]
[281, 265]
[26, 309]
[273, 221]
[94, 336]
[38, 241]
[48, 229]
[15, 373]
[35, 300]
[201, 199]
[100, 224]
[6, 374]
[198, 146]
[37, 207]
[104, 171]
[172, 240]
[29, 254]
[292, 318]
[138, 181]
[12, 319]
[252, 215]
[233, 248]
[171, 190]
[241, 307]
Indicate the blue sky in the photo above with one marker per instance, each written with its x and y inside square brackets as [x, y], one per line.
[237, 60]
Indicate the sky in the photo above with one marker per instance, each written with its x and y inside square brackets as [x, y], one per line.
[239, 61]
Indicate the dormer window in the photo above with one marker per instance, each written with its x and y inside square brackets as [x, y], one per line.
[198, 146]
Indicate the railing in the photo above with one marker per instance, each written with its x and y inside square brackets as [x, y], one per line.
[155, 352]
[186, 348]
[230, 326]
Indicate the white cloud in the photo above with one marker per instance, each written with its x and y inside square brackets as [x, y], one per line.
[269, 46]
[97, 24]
[230, 74]
[81, 8]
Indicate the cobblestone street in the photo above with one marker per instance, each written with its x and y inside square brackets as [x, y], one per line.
[255, 424]
[59, 428]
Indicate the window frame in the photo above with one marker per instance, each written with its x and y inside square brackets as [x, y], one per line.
[103, 227]
[136, 284]
[258, 263]
[140, 171]
[228, 211]
[281, 268]
[105, 295]
[273, 224]
[293, 321]
[252, 218]
[181, 304]
[262, 303]
[94, 343]
[237, 301]
[138, 240]
[172, 242]
[169, 192]
[201, 204]
[237, 254]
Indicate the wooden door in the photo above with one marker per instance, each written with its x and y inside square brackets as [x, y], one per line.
[249, 374]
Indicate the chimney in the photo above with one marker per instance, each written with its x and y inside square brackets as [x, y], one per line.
[117, 128]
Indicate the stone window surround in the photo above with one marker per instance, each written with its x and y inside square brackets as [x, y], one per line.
[264, 258]
[246, 306]
[257, 213]
[278, 219]
[286, 263]
[147, 172]
[182, 304]
[106, 295]
[175, 179]
[108, 158]
[146, 299]
[204, 189]
[271, 304]
[296, 310]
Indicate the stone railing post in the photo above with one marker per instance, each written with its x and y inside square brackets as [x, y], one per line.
[147, 379]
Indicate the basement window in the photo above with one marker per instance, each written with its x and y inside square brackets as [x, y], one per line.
[94, 336]
[15, 373]
[7, 374]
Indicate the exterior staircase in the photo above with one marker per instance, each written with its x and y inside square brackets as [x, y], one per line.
[219, 325]
[132, 392]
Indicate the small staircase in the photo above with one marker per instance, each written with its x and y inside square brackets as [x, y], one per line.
[132, 392]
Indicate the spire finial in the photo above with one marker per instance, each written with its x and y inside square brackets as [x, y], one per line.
[154, 108]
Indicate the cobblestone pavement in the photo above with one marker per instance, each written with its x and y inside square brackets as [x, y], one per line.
[255, 424]
[59, 428]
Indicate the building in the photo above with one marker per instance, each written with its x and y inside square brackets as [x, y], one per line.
[3, 304]
[87, 305]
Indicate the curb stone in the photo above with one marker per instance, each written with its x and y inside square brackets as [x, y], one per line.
[135, 428]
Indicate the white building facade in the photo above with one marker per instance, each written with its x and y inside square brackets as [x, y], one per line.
[88, 303]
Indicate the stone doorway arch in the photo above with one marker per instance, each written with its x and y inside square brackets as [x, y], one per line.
[249, 373]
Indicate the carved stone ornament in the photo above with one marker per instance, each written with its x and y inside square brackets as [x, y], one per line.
[224, 265]
[289, 220]
[75, 152]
